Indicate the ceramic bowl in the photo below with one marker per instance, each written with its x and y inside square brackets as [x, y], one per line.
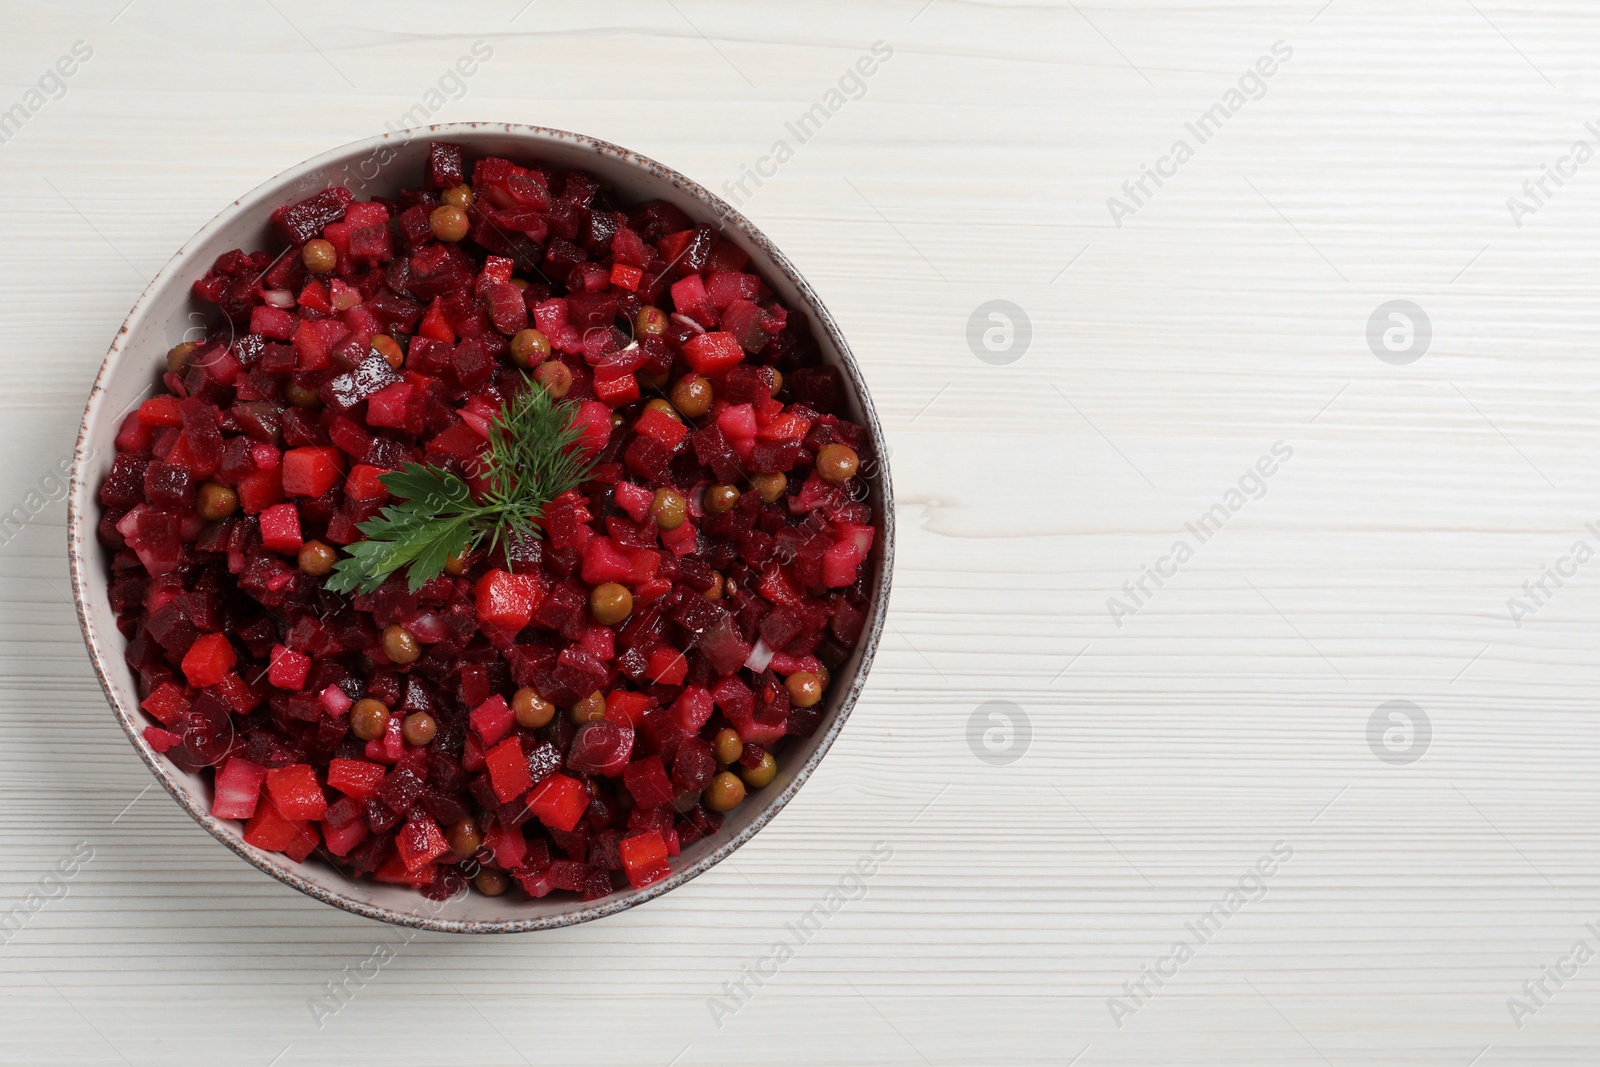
[166, 312]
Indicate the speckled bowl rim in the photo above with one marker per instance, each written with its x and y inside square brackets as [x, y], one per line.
[82, 518]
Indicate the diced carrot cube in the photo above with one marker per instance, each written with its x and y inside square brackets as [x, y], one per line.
[508, 770]
[311, 470]
[294, 791]
[208, 659]
[355, 778]
[288, 668]
[559, 802]
[644, 858]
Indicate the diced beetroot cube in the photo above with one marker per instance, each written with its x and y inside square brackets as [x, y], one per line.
[344, 811]
[734, 698]
[303, 221]
[312, 470]
[507, 600]
[472, 362]
[492, 719]
[444, 164]
[648, 458]
[167, 703]
[544, 760]
[754, 733]
[647, 780]
[551, 316]
[388, 406]
[371, 244]
[259, 490]
[395, 872]
[617, 392]
[434, 326]
[559, 802]
[724, 287]
[726, 257]
[280, 528]
[366, 213]
[401, 789]
[712, 449]
[272, 322]
[364, 483]
[604, 562]
[689, 296]
[738, 422]
[667, 666]
[460, 441]
[613, 363]
[420, 842]
[240, 695]
[788, 426]
[304, 843]
[568, 874]
[601, 747]
[288, 668]
[315, 297]
[593, 420]
[507, 309]
[507, 845]
[683, 248]
[238, 789]
[847, 622]
[634, 499]
[682, 541]
[693, 765]
[644, 858]
[663, 427]
[599, 642]
[294, 791]
[592, 309]
[357, 779]
[723, 646]
[161, 740]
[508, 770]
[202, 436]
[340, 840]
[134, 435]
[208, 659]
[775, 457]
[627, 708]
[839, 565]
[747, 324]
[712, 353]
[559, 606]
[314, 343]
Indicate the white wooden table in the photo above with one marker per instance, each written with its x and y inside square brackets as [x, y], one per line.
[1422, 875]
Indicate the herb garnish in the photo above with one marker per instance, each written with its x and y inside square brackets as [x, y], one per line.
[532, 459]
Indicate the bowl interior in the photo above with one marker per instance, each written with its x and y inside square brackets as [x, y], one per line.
[166, 313]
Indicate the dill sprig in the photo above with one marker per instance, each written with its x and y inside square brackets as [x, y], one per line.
[531, 460]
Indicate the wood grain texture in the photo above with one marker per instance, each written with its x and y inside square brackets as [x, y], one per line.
[1168, 754]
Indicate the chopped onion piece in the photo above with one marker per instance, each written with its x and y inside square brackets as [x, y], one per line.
[760, 656]
[336, 700]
